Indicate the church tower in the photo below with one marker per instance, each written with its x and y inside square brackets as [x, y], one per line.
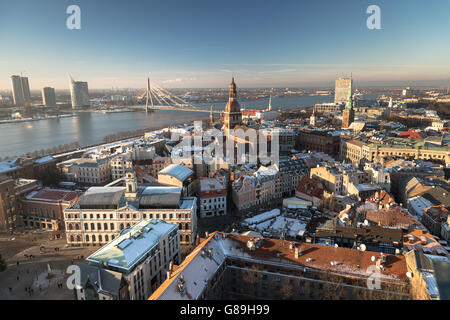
[211, 117]
[348, 115]
[312, 120]
[131, 185]
[232, 114]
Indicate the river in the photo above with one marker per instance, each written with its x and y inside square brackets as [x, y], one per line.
[90, 128]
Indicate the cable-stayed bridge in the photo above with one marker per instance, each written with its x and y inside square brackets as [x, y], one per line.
[157, 98]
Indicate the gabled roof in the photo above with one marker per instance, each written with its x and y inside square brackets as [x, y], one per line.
[103, 280]
[102, 196]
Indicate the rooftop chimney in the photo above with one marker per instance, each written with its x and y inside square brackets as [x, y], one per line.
[297, 253]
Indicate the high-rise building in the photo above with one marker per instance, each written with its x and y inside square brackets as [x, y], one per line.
[48, 97]
[79, 94]
[348, 115]
[26, 90]
[233, 114]
[341, 89]
[17, 90]
[21, 90]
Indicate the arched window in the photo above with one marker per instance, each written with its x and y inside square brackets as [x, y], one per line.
[71, 238]
[99, 226]
[78, 238]
[112, 226]
[105, 226]
[86, 226]
[77, 226]
[92, 226]
[100, 238]
[121, 226]
[87, 238]
[106, 238]
[128, 225]
[93, 238]
[70, 226]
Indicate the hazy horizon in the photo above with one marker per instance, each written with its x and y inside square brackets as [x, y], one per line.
[200, 44]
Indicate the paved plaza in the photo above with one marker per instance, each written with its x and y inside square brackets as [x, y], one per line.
[28, 277]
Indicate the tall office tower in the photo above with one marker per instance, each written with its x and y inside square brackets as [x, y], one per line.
[233, 114]
[26, 91]
[348, 115]
[17, 90]
[48, 97]
[79, 94]
[21, 90]
[341, 89]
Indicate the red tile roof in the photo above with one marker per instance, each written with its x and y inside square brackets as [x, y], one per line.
[53, 195]
[392, 217]
[412, 133]
[310, 187]
[382, 198]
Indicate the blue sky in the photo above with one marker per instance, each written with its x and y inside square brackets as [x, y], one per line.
[198, 43]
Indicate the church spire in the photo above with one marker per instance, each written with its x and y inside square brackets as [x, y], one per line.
[232, 90]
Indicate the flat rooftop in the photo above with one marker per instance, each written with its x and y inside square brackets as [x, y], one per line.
[124, 252]
[53, 195]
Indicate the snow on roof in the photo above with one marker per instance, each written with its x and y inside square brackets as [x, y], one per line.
[267, 171]
[431, 284]
[160, 190]
[418, 204]
[201, 265]
[44, 159]
[292, 226]
[126, 250]
[188, 203]
[8, 165]
[262, 217]
[178, 171]
[211, 184]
